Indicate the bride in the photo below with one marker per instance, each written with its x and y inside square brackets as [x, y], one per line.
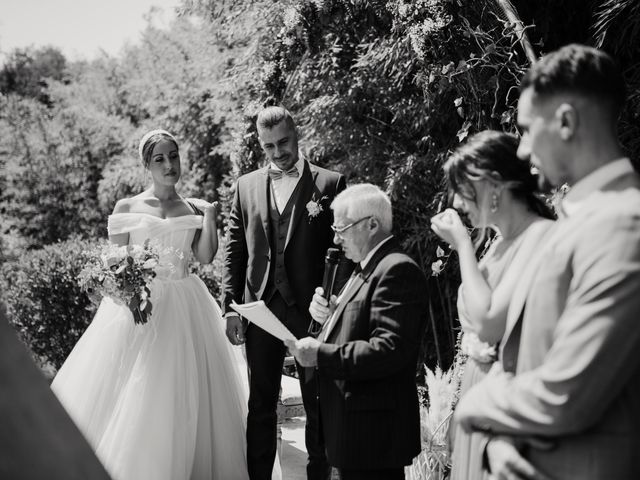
[165, 400]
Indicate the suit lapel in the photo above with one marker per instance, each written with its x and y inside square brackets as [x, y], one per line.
[308, 181]
[357, 283]
[263, 199]
[347, 295]
[523, 287]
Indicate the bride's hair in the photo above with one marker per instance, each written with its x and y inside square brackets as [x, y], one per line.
[150, 140]
[492, 156]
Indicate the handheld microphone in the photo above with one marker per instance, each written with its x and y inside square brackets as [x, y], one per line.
[330, 267]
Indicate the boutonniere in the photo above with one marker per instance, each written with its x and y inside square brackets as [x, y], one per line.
[314, 206]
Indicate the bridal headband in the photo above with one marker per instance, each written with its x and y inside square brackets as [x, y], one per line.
[150, 134]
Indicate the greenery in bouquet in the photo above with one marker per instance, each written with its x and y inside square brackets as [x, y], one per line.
[124, 274]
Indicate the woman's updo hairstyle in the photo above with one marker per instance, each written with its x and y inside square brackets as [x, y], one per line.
[149, 141]
[492, 155]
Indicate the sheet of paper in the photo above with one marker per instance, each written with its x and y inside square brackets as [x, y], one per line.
[258, 313]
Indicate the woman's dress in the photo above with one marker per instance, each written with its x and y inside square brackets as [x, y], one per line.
[501, 267]
[164, 400]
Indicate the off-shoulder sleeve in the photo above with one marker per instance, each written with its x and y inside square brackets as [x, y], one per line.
[130, 222]
[125, 222]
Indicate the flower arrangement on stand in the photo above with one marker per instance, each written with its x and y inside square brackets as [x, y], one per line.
[438, 400]
[123, 273]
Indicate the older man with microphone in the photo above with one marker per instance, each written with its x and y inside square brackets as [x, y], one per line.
[367, 351]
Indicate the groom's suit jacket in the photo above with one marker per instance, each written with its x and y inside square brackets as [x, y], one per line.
[367, 365]
[573, 342]
[248, 251]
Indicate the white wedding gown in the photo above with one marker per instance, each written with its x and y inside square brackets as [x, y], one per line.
[166, 400]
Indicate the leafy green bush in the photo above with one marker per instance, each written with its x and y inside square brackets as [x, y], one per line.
[44, 302]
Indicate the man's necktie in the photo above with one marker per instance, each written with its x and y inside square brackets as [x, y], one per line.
[278, 174]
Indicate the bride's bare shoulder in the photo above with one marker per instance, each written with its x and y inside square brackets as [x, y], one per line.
[129, 205]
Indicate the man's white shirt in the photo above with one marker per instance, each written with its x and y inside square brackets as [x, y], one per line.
[283, 187]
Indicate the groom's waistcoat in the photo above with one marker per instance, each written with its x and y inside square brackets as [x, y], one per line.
[280, 222]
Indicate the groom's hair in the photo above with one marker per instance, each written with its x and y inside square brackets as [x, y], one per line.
[272, 115]
[580, 70]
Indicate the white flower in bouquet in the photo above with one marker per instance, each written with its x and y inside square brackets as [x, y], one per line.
[123, 273]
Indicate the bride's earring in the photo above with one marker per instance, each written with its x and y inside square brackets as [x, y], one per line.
[494, 202]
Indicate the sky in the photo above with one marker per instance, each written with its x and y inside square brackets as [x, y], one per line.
[79, 28]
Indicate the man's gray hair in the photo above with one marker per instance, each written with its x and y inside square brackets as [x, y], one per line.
[364, 200]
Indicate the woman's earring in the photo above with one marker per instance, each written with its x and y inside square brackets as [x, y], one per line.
[494, 202]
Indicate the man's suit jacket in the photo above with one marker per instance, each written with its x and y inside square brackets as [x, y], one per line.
[367, 365]
[248, 254]
[573, 342]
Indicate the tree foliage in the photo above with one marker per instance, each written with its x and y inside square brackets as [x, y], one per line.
[382, 90]
[26, 72]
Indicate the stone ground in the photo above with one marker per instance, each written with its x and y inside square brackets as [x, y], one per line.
[293, 456]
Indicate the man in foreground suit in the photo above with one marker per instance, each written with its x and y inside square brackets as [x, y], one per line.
[366, 362]
[569, 370]
[279, 232]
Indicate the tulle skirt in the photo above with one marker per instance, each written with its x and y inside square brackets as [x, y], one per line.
[164, 400]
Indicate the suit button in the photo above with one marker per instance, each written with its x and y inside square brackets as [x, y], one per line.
[277, 280]
[280, 252]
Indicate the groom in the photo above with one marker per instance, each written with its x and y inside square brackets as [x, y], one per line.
[279, 232]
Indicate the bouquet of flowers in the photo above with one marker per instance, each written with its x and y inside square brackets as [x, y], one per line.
[124, 274]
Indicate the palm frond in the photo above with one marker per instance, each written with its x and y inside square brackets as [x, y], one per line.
[617, 26]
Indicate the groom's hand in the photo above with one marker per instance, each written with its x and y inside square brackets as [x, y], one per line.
[235, 329]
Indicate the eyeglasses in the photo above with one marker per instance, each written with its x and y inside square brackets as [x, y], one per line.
[340, 230]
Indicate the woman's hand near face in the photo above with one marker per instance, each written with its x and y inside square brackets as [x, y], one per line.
[449, 227]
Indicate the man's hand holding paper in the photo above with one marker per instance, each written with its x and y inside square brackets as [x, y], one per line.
[259, 314]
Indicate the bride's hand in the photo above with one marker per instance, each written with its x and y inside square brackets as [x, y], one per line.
[211, 210]
[449, 227]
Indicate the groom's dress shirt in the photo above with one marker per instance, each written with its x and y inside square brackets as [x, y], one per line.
[284, 186]
[593, 182]
[332, 319]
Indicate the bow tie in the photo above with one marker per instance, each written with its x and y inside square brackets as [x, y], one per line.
[278, 174]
